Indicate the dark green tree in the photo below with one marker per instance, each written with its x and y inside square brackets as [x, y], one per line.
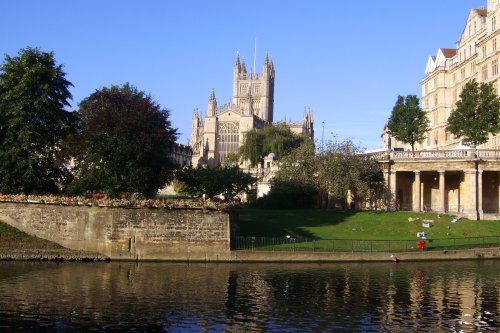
[226, 180]
[408, 122]
[33, 94]
[123, 144]
[477, 114]
[258, 143]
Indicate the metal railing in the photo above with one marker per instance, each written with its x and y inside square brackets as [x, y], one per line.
[358, 245]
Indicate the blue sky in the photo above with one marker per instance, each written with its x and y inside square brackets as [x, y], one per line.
[346, 60]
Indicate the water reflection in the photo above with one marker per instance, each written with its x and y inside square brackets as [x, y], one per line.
[175, 297]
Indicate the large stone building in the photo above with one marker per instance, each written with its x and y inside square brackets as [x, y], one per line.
[223, 128]
[443, 175]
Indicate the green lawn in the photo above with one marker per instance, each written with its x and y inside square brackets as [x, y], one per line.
[12, 238]
[364, 225]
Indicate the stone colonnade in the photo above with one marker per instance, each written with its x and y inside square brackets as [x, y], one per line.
[466, 188]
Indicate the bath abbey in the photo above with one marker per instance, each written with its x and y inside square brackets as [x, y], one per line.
[222, 129]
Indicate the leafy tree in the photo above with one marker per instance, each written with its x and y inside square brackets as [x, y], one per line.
[299, 166]
[33, 94]
[269, 139]
[123, 144]
[477, 113]
[408, 122]
[226, 180]
[341, 168]
[344, 168]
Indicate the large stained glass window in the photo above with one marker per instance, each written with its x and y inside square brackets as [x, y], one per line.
[228, 139]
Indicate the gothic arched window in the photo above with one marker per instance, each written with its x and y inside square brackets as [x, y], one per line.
[228, 139]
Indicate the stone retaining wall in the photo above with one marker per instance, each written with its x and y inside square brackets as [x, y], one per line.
[119, 233]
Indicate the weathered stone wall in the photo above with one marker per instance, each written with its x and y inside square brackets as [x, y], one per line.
[144, 234]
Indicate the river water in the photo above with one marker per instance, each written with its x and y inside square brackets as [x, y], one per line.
[181, 297]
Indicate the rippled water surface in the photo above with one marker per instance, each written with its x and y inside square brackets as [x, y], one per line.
[174, 297]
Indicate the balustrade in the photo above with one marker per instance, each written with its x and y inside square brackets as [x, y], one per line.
[436, 154]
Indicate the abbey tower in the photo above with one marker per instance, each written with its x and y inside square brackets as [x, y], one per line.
[223, 128]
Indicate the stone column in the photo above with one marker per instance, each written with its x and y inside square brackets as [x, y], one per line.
[480, 193]
[442, 191]
[418, 200]
[469, 195]
[392, 188]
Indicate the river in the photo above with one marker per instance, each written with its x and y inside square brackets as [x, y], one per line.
[180, 297]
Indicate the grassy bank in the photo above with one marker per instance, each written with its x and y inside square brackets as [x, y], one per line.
[364, 225]
[12, 238]
[17, 245]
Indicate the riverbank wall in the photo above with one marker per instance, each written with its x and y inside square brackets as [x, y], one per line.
[128, 234]
[100, 233]
[283, 256]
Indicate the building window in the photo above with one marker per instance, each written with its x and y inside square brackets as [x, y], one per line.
[473, 68]
[484, 51]
[243, 89]
[436, 100]
[485, 72]
[454, 78]
[426, 88]
[493, 23]
[228, 139]
[428, 138]
[462, 73]
[494, 67]
[494, 44]
[256, 89]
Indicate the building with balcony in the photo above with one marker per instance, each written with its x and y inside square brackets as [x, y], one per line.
[443, 175]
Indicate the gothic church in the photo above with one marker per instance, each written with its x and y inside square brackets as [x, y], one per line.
[222, 130]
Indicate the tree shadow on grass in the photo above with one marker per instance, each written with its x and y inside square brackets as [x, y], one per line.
[280, 223]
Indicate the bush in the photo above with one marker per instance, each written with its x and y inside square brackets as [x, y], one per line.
[286, 195]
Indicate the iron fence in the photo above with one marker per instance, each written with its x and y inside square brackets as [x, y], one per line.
[359, 245]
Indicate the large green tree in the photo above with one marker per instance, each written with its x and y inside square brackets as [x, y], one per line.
[34, 92]
[296, 184]
[477, 113]
[258, 143]
[340, 169]
[123, 144]
[408, 122]
[343, 168]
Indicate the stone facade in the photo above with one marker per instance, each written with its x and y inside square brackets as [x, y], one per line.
[461, 182]
[442, 175]
[138, 234]
[475, 56]
[223, 128]
[181, 155]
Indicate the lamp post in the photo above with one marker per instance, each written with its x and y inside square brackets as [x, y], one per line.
[322, 134]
